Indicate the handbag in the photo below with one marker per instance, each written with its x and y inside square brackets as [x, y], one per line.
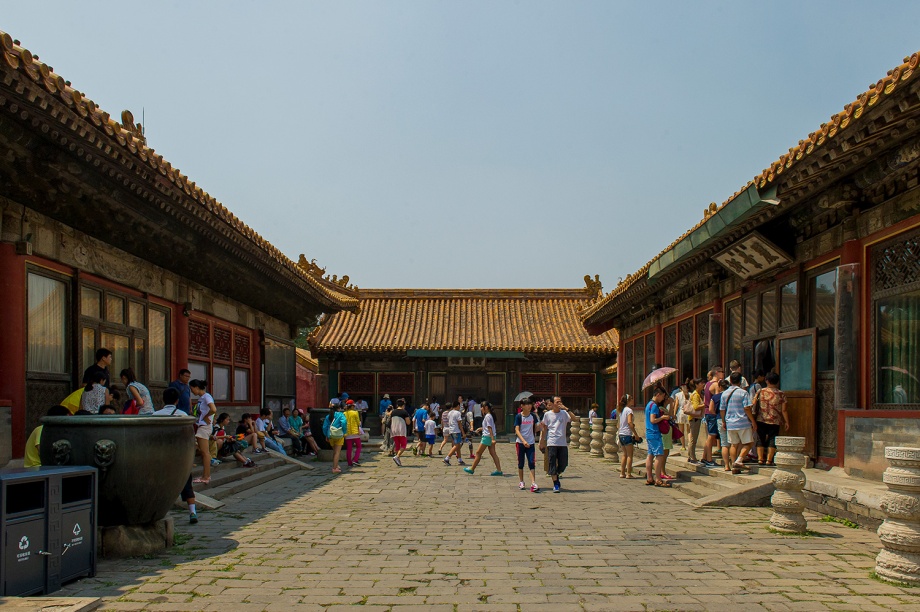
[335, 433]
[677, 434]
[664, 427]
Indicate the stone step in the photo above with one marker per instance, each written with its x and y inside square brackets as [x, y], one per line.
[696, 491]
[231, 471]
[250, 480]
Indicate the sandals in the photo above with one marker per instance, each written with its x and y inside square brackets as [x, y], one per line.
[666, 485]
[200, 480]
[649, 483]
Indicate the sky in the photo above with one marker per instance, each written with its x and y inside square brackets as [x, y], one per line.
[470, 144]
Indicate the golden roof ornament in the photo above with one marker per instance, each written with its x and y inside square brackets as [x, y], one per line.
[594, 286]
[136, 129]
[310, 267]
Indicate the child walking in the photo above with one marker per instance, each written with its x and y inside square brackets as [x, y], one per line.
[526, 426]
[430, 428]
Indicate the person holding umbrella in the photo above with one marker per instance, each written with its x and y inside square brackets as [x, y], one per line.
[654, 462]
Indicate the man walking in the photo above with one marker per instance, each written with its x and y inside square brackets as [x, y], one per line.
[399, 423]
[184, 403]
[739, 421]
[553, 440]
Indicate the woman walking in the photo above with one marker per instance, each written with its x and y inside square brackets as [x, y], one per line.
[387, 445]
[334, 428]
[486, 442]
[628, 436]
[352, 434]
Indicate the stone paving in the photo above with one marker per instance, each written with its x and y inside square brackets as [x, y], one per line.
[430, 537]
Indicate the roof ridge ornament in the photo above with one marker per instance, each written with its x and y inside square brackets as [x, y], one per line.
[135, 129]
[594, 287]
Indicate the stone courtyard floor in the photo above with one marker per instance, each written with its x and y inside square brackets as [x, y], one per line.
[430, 537]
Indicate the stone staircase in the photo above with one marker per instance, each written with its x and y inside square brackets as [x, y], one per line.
[704, 486]
[229, 478]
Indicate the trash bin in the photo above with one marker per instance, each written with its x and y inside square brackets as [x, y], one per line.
[47, 528]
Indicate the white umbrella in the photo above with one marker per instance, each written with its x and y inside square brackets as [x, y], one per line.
[522, 395]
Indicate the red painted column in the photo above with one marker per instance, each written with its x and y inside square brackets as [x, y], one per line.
[621, 371]
[13, 341]
[180, 340]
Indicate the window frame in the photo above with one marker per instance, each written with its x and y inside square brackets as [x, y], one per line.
[69, 350]
[210, 361]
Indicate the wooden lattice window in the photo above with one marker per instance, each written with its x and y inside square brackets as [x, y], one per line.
[199, 339]
[357, 383]
[223, 344]
[396, 382]
[896, 265]
[576, 384]
[241, 349]
[539, 384]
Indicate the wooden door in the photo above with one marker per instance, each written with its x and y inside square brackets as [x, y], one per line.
[795, 358]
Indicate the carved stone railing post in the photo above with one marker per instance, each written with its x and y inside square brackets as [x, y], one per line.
[575, 433]
[788, 500]
[597, 434]
[585, 441]
[611, 443]
[899, 559]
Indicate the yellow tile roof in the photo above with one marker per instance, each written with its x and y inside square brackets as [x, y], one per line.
[805, 148]
[305, 359]
[524, 320]
[133, 145]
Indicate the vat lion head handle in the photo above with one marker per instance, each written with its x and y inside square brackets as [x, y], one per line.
[104, 453]
[60, 452]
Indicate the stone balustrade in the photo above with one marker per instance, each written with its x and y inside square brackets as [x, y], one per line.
[597, 435]
[611, 442]
[584, 443]
[788, 501]
[899, 559]
[575, 433]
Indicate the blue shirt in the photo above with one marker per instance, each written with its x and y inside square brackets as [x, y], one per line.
[651, 429]
[184, 403]
[735, 400]
[384, 404]
[421, 415]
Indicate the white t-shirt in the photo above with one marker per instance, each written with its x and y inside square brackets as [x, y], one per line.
[526, 425]
[398, 426]
[260, 424]
[453, 421]
[555, 423]
[435, 409]
[203, 408]
[168, 410]
[624, 422]
[430, 426]
[591, 416]
[488, 426]
[477, 410]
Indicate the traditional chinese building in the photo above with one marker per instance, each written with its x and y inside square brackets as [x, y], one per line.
[812, 269]
[104, 244]
[483, 343]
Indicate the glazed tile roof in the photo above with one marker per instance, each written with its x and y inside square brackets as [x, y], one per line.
[132, 145]
[812, 145]
[306, 360]
[523, 320]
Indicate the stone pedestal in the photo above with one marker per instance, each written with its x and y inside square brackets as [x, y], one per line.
[597, 434]
[899, 559]
[584, 443]
[124, 541]
[611, 443]
[575, 433]
[788, 501]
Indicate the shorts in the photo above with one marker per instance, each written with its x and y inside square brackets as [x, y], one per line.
[740, 436]
[203, 432]
[429, 438]
[723, 434]
[399, 443]
[339, 441]
[655, 446]
[667, 440]
[420, 435]
[766, 433]
[456, 438]
[187, 491]
[558, 459]
[526, 453]
[712, 424]
[626, 440]
[486, 440]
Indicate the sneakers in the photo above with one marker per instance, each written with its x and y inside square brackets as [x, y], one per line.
[259, 451]
[215, 462]
[447, 461]
[556, 487]
[521, 486]
[415, 450]
[193, 518]
[533, 488]
[693, 461]
[472, 456]
[496, 473]
[460, 462]
[468, 470]
[357, 463]
[249, 463]
[709, 463]
[397, 461]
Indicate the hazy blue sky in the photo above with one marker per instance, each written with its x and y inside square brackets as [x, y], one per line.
[471, 144]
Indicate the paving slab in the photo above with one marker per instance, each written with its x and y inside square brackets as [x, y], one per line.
[428, 536]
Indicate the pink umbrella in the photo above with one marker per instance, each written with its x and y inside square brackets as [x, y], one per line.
[657, 376]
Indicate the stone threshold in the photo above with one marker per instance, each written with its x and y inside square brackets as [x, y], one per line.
[50, 604]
